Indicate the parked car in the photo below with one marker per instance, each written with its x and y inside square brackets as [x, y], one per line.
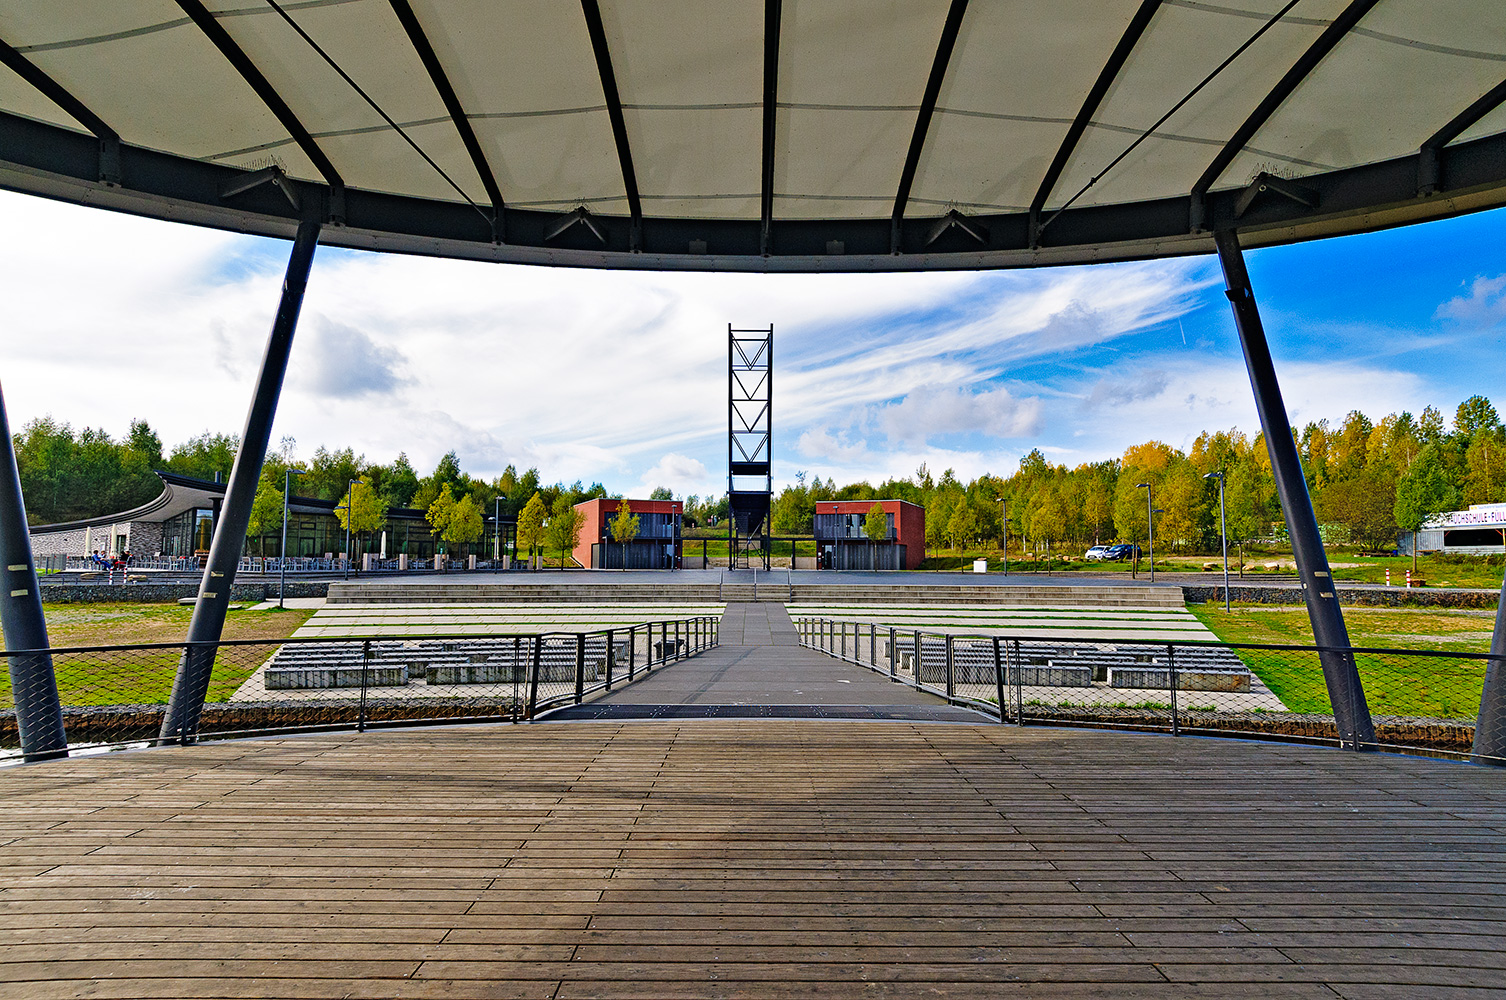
[1122, 551]
[1097, 553]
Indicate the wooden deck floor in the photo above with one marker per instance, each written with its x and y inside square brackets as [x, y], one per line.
[764, 858]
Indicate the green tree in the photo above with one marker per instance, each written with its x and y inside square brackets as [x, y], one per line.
[1422, 494]
[876, 524]
[439, 511]
[1475, 414]
[963, 524]
[563, 527]
[399, 482]
[266, 513]
[661, 493]
[623, 527]
[362, 509]
[531, 525]
[465, 523]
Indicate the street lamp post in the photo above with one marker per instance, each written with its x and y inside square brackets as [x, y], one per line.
[1004, 525]
[1150, 528]
[1223, 531]
[350, 513]
[497, 541]
[282, 561]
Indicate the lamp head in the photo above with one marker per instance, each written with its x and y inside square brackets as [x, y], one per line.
[1142, 486]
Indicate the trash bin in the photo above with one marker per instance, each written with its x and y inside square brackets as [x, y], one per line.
[980, 565]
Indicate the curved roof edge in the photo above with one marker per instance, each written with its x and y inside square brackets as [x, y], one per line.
[55, 162]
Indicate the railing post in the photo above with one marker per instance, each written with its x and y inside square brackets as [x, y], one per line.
[999, 681]
[580, 666]
[611, 653]
[872, 644]
[1171, 678]
[951, 659]
[678, 654]
[533, 674]
[632, 650]
[1019, 685]
[842, 628]
[365, 669]
[915, 673]
[893, 655]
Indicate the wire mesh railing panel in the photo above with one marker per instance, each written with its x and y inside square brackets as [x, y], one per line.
[117, 695]
[1418, 699]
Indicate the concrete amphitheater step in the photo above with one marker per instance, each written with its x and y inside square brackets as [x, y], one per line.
[515, 593]
[1000, 595]
[775, 591]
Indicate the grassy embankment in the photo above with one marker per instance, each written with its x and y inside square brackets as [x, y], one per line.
[145, 677]
[1412, 686]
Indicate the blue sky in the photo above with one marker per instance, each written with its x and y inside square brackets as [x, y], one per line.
[621, 376]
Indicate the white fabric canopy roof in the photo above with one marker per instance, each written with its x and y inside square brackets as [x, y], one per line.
[679, 180]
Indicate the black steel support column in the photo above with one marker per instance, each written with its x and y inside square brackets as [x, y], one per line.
[39, 714]
[181, 720]
[1350, 712]
[1490, 725]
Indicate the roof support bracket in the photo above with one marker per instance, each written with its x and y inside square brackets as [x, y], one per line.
[580, 217]
[109, 160]
[1264, 182]
[267, 175]
[1429, 172]
[956, 220]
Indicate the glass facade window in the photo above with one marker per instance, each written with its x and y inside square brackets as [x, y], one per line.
[188, 532]
[847, 525]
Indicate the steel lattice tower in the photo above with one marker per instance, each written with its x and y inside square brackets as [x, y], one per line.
[750, 442]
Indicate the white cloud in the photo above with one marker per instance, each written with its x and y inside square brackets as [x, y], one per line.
[932, 410]
[1484, 306]
[681, 474]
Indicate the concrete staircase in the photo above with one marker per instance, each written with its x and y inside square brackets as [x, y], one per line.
[773, 588]
[593, 592]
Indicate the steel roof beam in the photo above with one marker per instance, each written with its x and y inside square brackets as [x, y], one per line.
[772, 12]
[609, 92]
[1315, 54]
[1099, 91]
[1427, 156]
[441, 81]
[923, 117]
[243, 65]
[109, 140]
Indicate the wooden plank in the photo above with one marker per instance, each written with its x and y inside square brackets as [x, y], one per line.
[752, 858]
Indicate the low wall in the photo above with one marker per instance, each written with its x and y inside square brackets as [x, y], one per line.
[168, 593]
[1362, 597]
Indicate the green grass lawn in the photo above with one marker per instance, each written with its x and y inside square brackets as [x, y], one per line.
[1394, 684]
[145, 677]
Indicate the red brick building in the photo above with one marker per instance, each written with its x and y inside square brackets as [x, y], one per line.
[658, 543]
[841, 542]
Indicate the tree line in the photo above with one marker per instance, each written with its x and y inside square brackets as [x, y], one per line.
[1368, 480]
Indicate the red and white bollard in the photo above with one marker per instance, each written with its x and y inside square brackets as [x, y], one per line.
[1388, 576]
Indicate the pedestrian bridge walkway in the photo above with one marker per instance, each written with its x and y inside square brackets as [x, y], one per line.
[759, 670]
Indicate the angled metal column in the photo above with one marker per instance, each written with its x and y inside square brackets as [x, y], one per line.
[181, 720]
[1490, 726]
[39, 715]
[1350, 712]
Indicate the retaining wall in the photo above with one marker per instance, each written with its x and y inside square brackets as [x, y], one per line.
[168, 593]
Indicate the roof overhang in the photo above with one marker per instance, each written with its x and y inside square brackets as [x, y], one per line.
[400, 129]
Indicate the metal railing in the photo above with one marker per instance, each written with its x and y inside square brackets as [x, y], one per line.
[115, 695]
[1422, 701]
